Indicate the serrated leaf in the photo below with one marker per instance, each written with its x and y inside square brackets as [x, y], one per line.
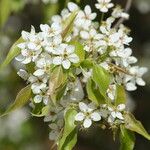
[134, 125]
[93, 93]
[102, 78]
[127, 139]
[56, 83]
[22, 98]
[14, 51]
[69, 136]
[120, 95]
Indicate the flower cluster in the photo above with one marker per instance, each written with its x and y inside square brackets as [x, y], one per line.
[60, 63]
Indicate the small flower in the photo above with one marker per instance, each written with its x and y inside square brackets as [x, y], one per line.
[116, 113]
[84, 18]
[136, 78]
[104, 5]
[50, 31]
[88, 114]
[65, 56]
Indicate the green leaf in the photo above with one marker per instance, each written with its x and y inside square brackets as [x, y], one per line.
[120, 95]
[102, 78]
[5, 10]
[79, 51]
[14, 51]
[87, 63]
[57, 83]
[93, 93]
[134, 125]
[22, 98]
[68, 24]
[127, 139]
[69, 136]
[43, 112]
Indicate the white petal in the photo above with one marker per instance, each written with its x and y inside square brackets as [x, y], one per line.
[37, 99]
[87, 10]
[66, 64]
[85, 35]
[95, 116]
[22, 45]
[113, 114]
[57, 60]
[27, 60]
[140, 82]
[87, 123]
[70, 49]
[83, 107]
[119, 115]
[74, 58]
[79, 117]
[39, 72]
[72, 6]
[131, 86]
[121, 107]
[20, 58]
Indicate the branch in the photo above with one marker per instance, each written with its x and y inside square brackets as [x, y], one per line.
[127, 8]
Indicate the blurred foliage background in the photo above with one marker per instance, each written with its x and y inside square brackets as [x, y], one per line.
[20, 131]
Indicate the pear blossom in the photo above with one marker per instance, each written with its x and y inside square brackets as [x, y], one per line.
[65, 56]
[84, 19]
[104, 5]
[88, 114]
[101, 45]
[116, 113]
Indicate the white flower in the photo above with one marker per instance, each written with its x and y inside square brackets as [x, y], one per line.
[104, 5]
[84, 18]
[88, 114]
[116, 113]
[37, 88]
[136, 78]
[65, 56]
[111, 92]
[43, 65]
[118, 12]
[48, 31]
[52, 43]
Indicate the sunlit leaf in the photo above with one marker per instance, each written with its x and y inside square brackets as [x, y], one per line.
[69, 136]
[57, 83]
[22, 98]
[120, 95]
[79, 51]
[68, 24]
[93, 93]
[14, 51]
[102, 78]
[127, 139]
[134, 125]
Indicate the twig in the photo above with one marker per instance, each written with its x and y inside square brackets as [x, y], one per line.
[127, 8]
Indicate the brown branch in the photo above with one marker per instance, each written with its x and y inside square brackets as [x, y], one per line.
[127, 8]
